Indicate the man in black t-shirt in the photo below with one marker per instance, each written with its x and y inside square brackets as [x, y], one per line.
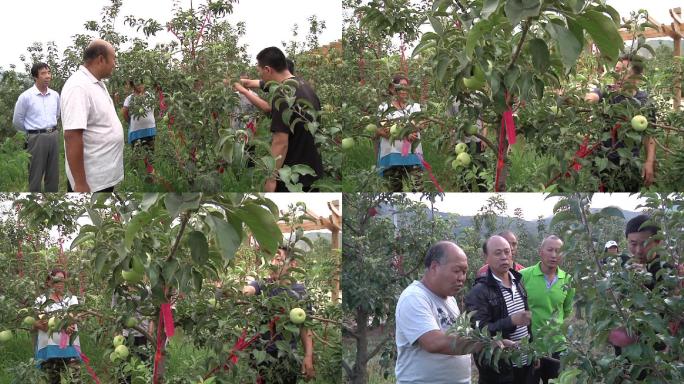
[292, 143]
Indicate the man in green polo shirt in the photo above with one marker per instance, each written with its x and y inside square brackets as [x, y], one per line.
[549, 295]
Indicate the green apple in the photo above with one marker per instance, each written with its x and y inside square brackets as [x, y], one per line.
[122, 351]
[131, 322]
[137, 266]
[553, 109]
[463, 159]
[639, 123]
[212, 302]
[347, 143]
[5, 336]
[28, 321]
[460, 148]
[394, 130]
[470, 129]
[52, 323]
[118, 340]
[297, 315]
[113, 357]
[371, 129]
[475, 82]
[131, 276]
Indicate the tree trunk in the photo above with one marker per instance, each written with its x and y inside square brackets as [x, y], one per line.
[360, 372]
[503, 149]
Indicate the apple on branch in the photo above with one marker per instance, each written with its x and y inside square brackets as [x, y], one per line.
[297, 315]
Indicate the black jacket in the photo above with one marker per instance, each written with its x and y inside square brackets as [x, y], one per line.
[487, 300]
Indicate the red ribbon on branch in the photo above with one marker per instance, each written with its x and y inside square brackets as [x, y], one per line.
[429, 169]
[165, 329]
[507, 129]
[90, 369]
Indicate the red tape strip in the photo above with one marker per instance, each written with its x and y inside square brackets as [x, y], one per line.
[429, 169]
[90, 369]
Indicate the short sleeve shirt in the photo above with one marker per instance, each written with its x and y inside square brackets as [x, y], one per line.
[48, 344]
[390, 153]
[86, 105]
[420, 311]
[145, 121]
[301, 143]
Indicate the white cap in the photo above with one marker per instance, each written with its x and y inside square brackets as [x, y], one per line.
[611, 244]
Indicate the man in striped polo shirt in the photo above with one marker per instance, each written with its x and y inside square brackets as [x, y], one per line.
[500, 302]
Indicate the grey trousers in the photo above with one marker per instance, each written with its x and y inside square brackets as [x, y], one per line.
[44, 166]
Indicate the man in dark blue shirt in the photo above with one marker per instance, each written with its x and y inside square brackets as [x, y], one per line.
[278, 283]
[626, 90]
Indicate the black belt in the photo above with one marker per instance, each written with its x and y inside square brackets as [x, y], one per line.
[36, 131]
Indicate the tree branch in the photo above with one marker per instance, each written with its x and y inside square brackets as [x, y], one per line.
[184, 223]
[347, 368]
[379, 347]
[518, 49]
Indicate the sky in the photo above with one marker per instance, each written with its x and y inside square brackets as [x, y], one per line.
[268, 22]
[532, 204]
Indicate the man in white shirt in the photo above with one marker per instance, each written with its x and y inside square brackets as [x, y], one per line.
[93, 134]
[425, 311]
[36, 114]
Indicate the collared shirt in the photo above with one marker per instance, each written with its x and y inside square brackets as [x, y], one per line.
[36, 110]
[86, 105]
[548, 302]
[514, 304]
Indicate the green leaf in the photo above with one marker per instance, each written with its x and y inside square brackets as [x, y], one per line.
[95, 217]
[199, 248]
[603, 30]
[100, 260]
[436, 25]
[568, 45]
[226, 236]
[262, 224]
[82, 237]
[541, 58]
[475, 36]
[134, 227]
[149, 199]
[178, 202]
[197, 280]
[170, 268]
[517, 10]
[488, 8]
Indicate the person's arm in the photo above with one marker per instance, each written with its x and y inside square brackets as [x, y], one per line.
[593, 97]
[19, 116]
[306, 337]
[73, 143]
[250, 83]
[649, 164]
[437, 341]
[126, 116]
[476, 300]
[253, 98]
[279, 146]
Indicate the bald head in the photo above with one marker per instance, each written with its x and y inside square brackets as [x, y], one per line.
[498, 255]
[446, 266]
[100, 58]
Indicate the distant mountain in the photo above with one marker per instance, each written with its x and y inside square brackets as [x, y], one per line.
[530, 225]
